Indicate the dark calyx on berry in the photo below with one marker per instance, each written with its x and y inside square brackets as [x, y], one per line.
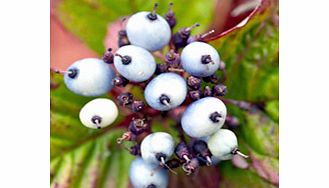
[96, 120]
[120, 81]
[207, 92]
[151, 186]
[164, 99]
[108, 56]
[123, 38]
[152, 15]
[170, 16]
[125, 98]
[126, 60]
[160, 157]
[182, 151]
[195, 94]
[72, 73]
[200, 148]
[194, 82]
[180, 38]
[220, 90]
[137, 106]
[138, 126]
[215, 117]
[172, 59]
[206, 59]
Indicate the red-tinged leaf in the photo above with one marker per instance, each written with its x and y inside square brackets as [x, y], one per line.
[231, 16]
[266, 167]
[65, 47]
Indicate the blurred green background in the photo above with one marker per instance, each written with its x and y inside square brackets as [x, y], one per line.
[81, 157]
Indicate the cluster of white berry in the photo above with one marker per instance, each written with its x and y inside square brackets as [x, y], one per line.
[167, 85]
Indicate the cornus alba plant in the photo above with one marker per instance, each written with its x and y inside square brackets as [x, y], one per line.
[184, 78]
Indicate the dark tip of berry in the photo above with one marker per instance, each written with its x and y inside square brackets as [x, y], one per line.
[207, 91]
[125, 98]
[120, 81]
[206, 59]
[164, 99]
[215, 117]
[200, 147]
[96, 120]
[195, 94]
[108, 56]
[153, 16]
[151, 186]
[194, 82]
[137, 106]
[138, 126]
[126, 60]
[220, 90]
[182, 151]
[72, 73]
[158, 156]
[170, 16]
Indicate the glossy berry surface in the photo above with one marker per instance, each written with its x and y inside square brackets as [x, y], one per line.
[157, 145]
[150, 34]
[222, 143]
[200, 59]
[89, 77]
[98, 113]
[144, 175]
[203, 117]
[166, 91]
[136, 63]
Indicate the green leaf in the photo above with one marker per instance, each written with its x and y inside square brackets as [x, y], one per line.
[88, 19]
[82, 157]
[251, 57]
[232, 177]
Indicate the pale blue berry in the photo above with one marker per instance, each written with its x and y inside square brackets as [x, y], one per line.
[203, 117]
[223, 144]
[134, 63]
[89, 77]
[166, 91]
[200, 59]
[157, 147]
[148, 30]
[145, 175]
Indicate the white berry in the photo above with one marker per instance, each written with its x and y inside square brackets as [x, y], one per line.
[204, 117]
[222, 144]
[200, 59]
[98, 113]
[141, 66]
[166, 91]
[150, 34]
[144, 175]
[157, 145]
[89, 77]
